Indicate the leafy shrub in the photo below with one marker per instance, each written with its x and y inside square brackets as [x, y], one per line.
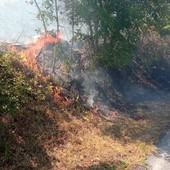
[15, 93]
[14, 90]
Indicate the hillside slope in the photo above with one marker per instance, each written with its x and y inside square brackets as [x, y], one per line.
[45, 129]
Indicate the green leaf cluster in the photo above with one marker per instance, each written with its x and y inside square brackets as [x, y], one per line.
[114, 27]
[111, 28]
[14, 87]
[20, 91]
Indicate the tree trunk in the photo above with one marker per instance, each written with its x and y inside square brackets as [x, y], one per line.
[73, 24]
[42, 18]
[57, 18]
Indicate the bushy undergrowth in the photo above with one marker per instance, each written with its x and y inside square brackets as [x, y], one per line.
[22, 89]
[152, 49]
[18, 89]
[14, 89]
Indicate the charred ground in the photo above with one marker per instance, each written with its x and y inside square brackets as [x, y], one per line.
[96, 119]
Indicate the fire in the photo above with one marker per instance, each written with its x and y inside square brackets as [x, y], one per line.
[34, 49]
[28, 58]
[58, 97]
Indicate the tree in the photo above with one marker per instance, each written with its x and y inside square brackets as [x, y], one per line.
[57, 18]
[73, 21]
[58, 52]
[41, 15]
[115, 26]
[48, 12]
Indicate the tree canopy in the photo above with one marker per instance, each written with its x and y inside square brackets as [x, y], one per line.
[113, 28]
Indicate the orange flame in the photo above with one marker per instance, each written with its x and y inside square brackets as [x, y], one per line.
[34, 48]
[33, 51]
[58, 97]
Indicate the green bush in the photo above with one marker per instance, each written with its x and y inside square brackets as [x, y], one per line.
[15, 93]
[14, 90]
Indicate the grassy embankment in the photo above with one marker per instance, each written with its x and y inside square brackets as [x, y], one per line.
[40, 132]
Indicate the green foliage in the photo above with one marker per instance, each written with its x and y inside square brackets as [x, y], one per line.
[152, 49]
[48, 11]
[18, 89]
[68, 63]
[112, 29]
[14, 90]
[115, 27]
[59, 52]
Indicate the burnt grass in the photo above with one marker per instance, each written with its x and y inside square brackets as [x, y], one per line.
[24, 134]
[29, 138]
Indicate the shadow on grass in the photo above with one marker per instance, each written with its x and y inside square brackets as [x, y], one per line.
[107, 166]
[26, 138]
[30, 136]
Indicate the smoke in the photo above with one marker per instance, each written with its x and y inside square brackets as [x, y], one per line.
[159, 162]
[91, 95]
[22, 20]
[92, 81]
[99, 87]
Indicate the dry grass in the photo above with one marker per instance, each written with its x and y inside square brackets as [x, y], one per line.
[51, 138]
[46, 136]
[88, 146]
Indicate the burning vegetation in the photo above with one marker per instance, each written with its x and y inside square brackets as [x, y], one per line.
[93, 120]
[83, 108]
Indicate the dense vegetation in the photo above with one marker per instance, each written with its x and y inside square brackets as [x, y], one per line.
[44, 126]
[13, 85]
[38, 130]
[18, 91]
[112, 29]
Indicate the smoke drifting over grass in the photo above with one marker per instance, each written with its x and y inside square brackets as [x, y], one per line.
[89, 84]
[90, 100]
